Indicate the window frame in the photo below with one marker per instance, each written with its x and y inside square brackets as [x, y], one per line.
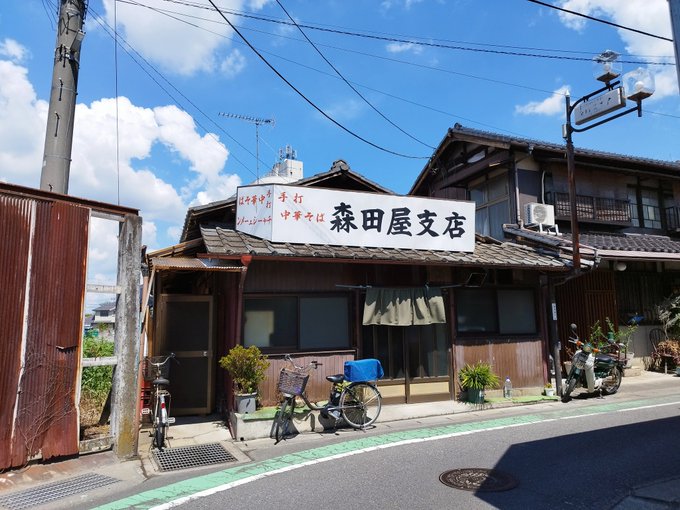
[496, 304]
[483, 189]
[298, 316]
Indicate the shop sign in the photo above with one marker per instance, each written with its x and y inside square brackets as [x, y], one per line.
[296, 214]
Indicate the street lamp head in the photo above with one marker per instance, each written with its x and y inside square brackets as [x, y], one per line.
[605, 66]
[638, 84]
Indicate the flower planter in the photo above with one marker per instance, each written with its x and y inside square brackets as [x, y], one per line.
[246, 402]
[549, 392]
[475, 396]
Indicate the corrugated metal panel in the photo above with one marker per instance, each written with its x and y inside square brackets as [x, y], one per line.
[163, 263]
[53, 255]
[15, 231]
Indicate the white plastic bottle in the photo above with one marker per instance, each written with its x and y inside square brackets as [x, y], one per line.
[507, 388]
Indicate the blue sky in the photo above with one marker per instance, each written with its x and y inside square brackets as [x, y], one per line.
[496, 65]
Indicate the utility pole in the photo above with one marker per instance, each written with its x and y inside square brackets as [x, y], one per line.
[61, 112]
[258, 122]
[674, 6]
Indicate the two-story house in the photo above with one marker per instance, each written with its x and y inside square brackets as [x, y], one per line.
[627, 209]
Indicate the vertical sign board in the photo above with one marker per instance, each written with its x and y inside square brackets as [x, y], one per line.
[297, 214]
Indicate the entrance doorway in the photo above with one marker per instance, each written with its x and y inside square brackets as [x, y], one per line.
[416, 360]
[185, 328]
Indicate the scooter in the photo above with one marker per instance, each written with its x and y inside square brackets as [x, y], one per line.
[592, 369]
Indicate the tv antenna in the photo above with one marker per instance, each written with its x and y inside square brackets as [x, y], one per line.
[258, 122]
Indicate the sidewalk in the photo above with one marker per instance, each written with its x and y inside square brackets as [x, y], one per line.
[196, 431]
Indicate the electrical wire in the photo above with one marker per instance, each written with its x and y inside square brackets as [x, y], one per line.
[415, 41]
[599, 20]
[115, 64]
[107, 28]
[495, 128]
[348, 83]
[307, 100]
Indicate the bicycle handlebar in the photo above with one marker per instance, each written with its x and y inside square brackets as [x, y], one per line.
[161, 363]
[312, 364]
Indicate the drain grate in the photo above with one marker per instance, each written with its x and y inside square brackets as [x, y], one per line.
[185, 457]
[478, 479]
[56, 490]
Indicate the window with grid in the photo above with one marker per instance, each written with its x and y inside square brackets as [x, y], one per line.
[492, 206]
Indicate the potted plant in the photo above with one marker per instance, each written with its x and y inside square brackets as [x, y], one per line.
[476, 378]
[549, 390]
[247, 368]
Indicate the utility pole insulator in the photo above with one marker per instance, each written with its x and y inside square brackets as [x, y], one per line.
[60, 116]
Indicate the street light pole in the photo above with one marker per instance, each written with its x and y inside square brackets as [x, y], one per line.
[610, 98]
[571, 179]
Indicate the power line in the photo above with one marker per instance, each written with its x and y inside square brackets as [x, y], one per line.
[166, 13]
[309, 101]
[599, 20]
[107, 28]
[414, 40]
[348, 83]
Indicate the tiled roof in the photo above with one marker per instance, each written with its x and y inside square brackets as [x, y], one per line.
[488, 253]
[634, 243]
[458, 129]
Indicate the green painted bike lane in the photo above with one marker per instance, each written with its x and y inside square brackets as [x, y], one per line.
[184, 491]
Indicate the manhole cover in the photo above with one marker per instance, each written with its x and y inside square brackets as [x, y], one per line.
[185, 457]
[478, 479]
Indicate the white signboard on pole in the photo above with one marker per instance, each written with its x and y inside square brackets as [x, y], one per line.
[297, 214]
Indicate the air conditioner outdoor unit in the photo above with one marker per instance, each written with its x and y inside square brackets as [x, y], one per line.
[539, 214]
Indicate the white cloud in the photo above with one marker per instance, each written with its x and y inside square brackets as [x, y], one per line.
[182, 48]
[233, 64]
[652, 16]
[12, 49]
[553, 105]
[22, 127]
[404, 48]
[197, 168]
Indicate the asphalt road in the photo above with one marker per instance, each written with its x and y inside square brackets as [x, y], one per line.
[587, 453]
[587, 462]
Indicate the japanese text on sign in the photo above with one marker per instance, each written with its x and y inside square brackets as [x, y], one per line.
[297, 214]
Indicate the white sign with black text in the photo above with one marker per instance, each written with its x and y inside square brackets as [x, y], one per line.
[296, 214]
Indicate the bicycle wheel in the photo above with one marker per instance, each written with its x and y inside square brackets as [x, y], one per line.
[159, 436]
[158, 432]
[360, 403]
[284, 423]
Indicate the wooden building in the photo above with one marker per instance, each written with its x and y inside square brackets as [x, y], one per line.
[627, 209]
[222, 286]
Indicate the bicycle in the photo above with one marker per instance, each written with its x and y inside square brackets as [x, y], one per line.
[156, 371]
[352, 397]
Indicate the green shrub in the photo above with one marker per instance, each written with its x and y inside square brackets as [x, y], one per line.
[246, 366]
[478, 377]
[96, 381]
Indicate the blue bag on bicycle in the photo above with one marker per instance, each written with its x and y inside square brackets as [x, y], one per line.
[363, 370]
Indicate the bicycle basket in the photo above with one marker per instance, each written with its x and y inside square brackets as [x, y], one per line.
[292, 382]
[150, 371]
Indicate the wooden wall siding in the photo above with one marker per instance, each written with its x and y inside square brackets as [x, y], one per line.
[522, 360]
[317, 386]
[639, 292]
[283, 276]
[584, 301]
